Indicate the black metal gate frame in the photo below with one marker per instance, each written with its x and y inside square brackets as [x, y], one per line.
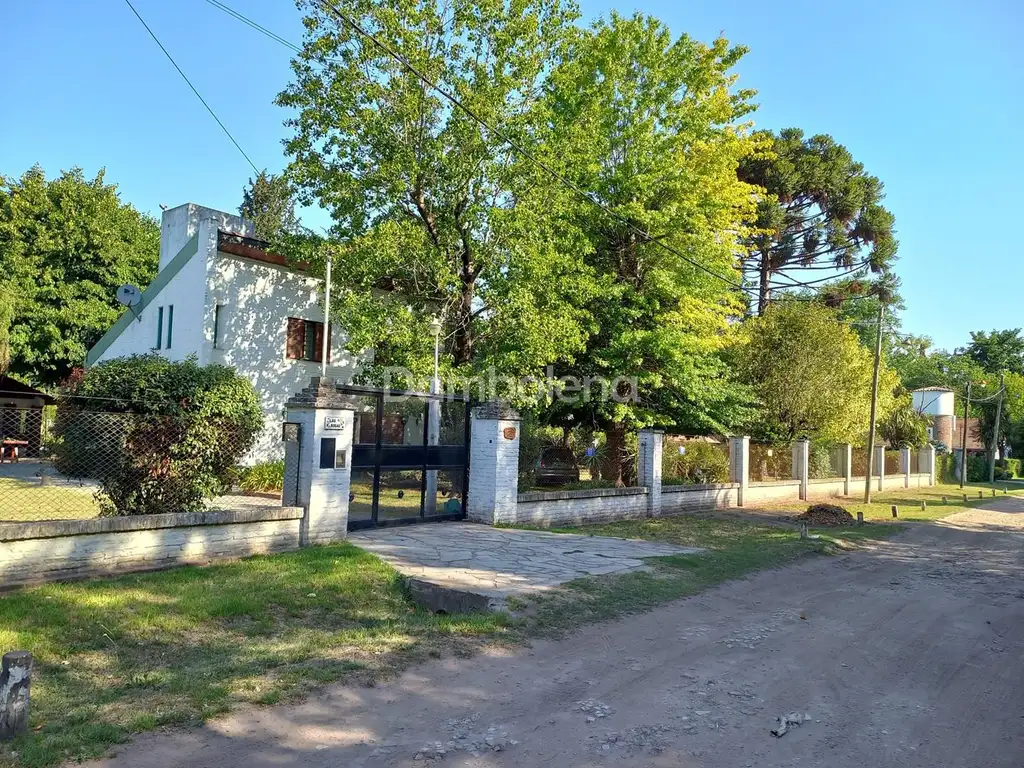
[393, 457]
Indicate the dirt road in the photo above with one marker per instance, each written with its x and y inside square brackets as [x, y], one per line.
[911, 654]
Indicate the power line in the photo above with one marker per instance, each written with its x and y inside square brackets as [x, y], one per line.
[258, 27]
[198, 95]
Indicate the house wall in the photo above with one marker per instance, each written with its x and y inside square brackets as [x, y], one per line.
[257, 299]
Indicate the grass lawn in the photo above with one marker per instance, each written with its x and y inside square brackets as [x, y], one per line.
[124, 655]
[26, 499]
[908, 500]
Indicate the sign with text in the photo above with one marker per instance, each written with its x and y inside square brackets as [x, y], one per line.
[333, 422]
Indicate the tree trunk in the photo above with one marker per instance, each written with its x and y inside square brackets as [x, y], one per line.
[763, 293]
[615, 461]
[463, 344]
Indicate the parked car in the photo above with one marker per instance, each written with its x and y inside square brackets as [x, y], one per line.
[556, 466]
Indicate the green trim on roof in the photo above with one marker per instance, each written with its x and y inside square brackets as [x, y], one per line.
[163, 277]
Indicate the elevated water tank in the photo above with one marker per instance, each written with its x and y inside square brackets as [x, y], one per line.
[934, 401]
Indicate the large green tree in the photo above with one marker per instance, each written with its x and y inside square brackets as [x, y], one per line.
[647, 124]
[6, 317]
[821, 211]
[65, 245]
[811, 374]
[268, 201]
[997, 351]
[434, 214]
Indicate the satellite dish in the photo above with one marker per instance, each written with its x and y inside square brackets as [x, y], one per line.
[129, 295]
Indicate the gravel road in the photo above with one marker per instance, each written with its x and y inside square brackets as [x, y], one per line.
[908, 654]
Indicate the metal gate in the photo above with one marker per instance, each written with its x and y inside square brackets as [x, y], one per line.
[410, 457]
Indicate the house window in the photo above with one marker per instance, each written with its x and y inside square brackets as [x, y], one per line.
[305, 339]
[170, 324]
[218, 312]
[159, 326]
[931, 433]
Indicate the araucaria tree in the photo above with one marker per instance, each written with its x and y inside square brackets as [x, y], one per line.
[821, 211]
[268, 201]
[66, 244]
[648, 125]
[811, 374]
[433, 213]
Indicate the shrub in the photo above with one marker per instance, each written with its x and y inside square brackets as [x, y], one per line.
[820, 461]
[977, 469]
[169, 435]
[262, 478]
[702, 463]
[1011, 466]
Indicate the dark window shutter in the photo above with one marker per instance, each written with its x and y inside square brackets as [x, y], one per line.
[295, 339]
[318, 343]
[329, 329]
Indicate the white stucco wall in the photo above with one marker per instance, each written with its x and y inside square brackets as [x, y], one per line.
[257, 299]
[934, 403]
[177, 225]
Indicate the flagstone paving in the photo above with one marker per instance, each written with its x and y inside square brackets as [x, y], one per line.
[503, 562]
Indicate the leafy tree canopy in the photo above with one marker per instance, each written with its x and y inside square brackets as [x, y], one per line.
[904, 427]
[65, 246]
[821, 211]
[811, 374]
[648, 125]
[997, 351]
[435, 215]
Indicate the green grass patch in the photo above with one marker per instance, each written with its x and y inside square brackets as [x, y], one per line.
[735, 549]
[908, 501]
[25, 499]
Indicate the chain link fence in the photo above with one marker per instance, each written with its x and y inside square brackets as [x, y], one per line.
[73, 461]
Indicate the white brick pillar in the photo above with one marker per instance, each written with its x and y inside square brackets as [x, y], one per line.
[318, 467]
[880, 465]
[905, 466]
[801, 465]
[926, 460]
[433, 438]
[493, 465]
[649, 467]
[846, 466]
[739, 466]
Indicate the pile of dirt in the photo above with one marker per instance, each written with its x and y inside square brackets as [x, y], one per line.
[826, 514]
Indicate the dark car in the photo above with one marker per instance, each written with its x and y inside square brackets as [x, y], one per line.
[557, 466]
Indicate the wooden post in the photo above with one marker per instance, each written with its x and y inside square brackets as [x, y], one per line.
[15, 677]
[895, 511]
[924, 505]
[860, 518]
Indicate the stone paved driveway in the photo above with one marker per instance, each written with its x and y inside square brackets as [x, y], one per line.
[501, 562]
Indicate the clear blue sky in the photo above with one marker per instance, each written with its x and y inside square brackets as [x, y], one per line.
[928, 95]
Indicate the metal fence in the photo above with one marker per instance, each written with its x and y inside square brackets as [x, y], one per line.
[69, 462]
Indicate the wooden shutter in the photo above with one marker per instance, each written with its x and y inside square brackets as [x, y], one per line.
[318, 343]
[295, 338]
[329, 329]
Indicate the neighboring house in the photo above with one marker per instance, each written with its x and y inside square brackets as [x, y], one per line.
[940, 404]
[221, 296]
[21, 418]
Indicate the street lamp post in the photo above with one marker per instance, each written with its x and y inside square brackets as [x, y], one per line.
[433, 419]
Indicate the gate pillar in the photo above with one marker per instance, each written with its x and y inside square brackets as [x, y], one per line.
[493, 465]
[318, 459]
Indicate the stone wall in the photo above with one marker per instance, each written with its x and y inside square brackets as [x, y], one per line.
[72, 549]
[601, 505]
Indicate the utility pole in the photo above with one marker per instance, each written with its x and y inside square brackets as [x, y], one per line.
[874, 404]
[995, 432]
[963, 437]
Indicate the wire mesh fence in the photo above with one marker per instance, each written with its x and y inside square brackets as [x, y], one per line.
[77, 463]
[694, 460]
[770, 462]
[892, 462]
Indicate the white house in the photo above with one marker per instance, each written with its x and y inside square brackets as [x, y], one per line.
[219, 295]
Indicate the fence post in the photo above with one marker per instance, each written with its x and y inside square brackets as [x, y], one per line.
[493, 464]
[15, 680]
[321, 472]
[926, 458]
[880, 465]
[649, 467]
[801, 465]
[905, 466]
[846, 454]
[739, 466]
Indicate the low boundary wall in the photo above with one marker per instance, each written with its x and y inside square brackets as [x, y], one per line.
[599, 505]
[72, 549]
